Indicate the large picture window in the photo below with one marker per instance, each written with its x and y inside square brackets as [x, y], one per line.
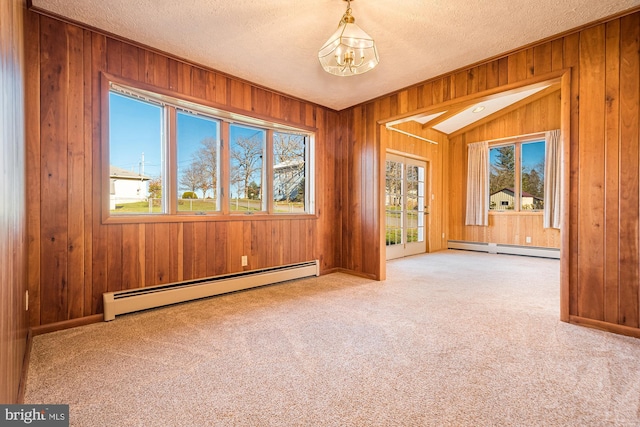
[169, 156]
[516, 176]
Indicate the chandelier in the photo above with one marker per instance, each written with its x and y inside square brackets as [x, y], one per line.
[349, 50]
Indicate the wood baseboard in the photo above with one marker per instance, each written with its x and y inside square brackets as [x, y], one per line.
[605, 326]
[66, 324]
[25, 368]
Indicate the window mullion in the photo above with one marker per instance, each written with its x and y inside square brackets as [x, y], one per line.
[518, 177]
[268, 194]
[170, 149]
[225, 167]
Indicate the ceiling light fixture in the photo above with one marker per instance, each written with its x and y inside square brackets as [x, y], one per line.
[478, 109]
[349, 50]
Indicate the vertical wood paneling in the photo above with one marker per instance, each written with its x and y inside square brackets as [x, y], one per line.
[130, 66]
[612, 201]
[88, 170]
[33, 156]
[75, 174]
[189, 254]
[542, 59]
[591, 175]
[571, 60]
[221, 247]
[13, 186]
[235, 229]
[629, 164]
[99, 234]
[131, 270]
[149, 255]
[54, 225]
[247, 245]
[557, 47]
[202, 250]
[114, 258]
[162, 272]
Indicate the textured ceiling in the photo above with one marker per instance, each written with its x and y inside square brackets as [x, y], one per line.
[274, 43]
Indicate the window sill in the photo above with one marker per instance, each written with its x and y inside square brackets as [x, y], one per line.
[535, 213]
[160, 218]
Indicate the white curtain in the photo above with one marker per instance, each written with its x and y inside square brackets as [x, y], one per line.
[552, 179]
[478, 184]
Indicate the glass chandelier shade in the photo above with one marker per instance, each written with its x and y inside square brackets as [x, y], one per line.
[349, 51]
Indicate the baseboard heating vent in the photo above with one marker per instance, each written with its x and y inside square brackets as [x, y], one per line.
[497, 248]
[128, 301]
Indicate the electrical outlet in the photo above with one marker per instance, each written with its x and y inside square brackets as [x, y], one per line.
[26, 300]
[527, 239]
[244, 261]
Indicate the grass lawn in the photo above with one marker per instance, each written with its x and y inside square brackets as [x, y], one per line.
[206, 205]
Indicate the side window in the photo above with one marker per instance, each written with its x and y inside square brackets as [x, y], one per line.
[502, 168]
[532, 176]
[289, 173]
[516, 177]
[136, 161]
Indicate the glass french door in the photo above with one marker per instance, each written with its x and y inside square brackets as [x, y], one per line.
[405, 206]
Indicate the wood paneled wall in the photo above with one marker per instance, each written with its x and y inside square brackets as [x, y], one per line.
[602, 238]
[506, 228]
[73, 256]
[13, 226]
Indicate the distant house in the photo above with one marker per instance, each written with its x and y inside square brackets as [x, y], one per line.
[127, 186]
[287, 179]
[504, 200]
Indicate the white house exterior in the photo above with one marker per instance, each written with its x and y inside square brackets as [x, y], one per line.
[126, 187]
[504, 200]
[287, 178]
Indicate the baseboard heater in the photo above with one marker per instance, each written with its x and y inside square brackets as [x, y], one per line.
[128, 301]
[498, 248]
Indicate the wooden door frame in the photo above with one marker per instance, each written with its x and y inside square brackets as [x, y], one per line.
[427, 192]
[564, 77]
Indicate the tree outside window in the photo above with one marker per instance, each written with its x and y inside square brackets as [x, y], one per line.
[247, 165]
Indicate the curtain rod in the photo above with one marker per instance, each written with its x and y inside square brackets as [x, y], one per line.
[388, 126]
[506, 138]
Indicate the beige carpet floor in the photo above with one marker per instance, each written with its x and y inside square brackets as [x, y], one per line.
[450, 339]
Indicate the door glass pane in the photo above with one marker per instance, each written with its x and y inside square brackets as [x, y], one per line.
[136, 161]
[502, 177]
[412, 203]
[532, 176]
[247, 168]
[393, 202]
[198, 163]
